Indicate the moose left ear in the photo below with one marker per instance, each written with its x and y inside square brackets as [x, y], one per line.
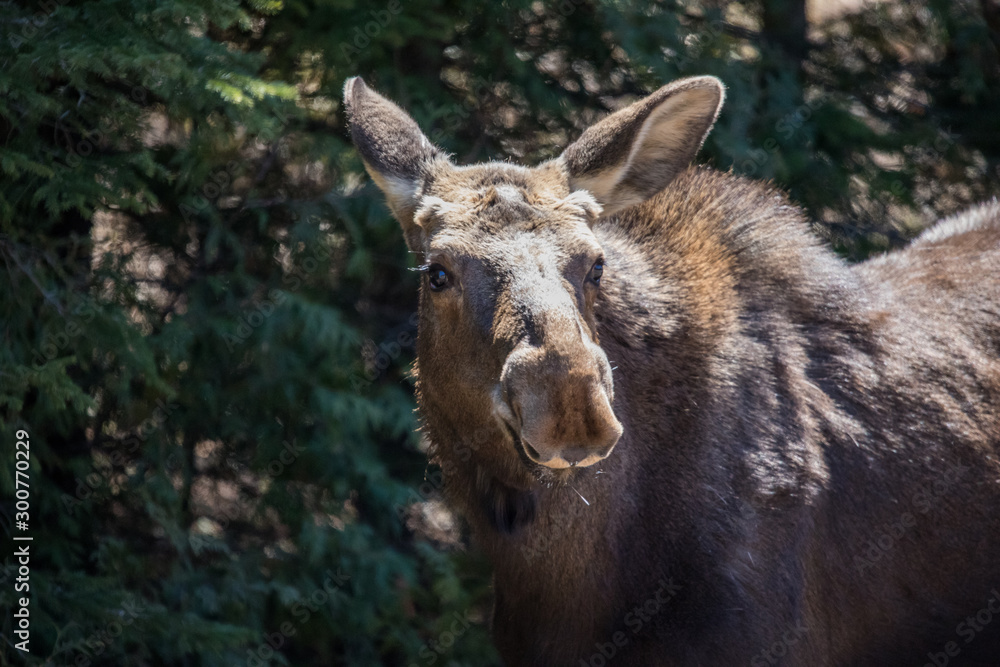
[635, 152]
[396, 153]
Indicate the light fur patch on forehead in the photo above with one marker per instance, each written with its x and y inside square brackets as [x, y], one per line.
[510, 193]
[499, 195]
[434, 211]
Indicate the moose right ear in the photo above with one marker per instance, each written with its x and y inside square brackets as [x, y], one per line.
[635, 152]
[396, 153]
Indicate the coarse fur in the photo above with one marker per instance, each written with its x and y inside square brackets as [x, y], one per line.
[801, 465]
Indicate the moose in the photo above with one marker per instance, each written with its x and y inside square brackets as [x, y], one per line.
[682, 429]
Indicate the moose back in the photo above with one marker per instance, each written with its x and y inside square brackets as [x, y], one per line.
[682, 429]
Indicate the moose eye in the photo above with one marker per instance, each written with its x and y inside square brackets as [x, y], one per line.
[437, 277]
[597, 271]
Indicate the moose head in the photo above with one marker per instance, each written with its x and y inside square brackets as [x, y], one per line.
[513, 269]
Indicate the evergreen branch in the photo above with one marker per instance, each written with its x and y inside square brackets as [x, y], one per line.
[9, 251]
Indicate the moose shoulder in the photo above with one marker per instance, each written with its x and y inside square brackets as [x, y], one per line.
[682, 429]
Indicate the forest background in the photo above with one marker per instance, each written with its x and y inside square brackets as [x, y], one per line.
[208, 313]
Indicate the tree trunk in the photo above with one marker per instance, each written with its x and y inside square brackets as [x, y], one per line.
[785, 27]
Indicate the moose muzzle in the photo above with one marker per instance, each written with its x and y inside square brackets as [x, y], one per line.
[556, 397]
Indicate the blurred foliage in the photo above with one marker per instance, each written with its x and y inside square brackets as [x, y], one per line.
[208, 315]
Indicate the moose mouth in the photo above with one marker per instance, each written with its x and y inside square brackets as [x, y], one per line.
[545, 474]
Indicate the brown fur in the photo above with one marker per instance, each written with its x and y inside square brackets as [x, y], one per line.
[780, 412]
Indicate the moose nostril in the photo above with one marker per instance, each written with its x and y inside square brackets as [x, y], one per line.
[506, 409]
[531, 451]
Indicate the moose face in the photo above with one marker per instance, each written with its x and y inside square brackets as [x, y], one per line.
[513, 270]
